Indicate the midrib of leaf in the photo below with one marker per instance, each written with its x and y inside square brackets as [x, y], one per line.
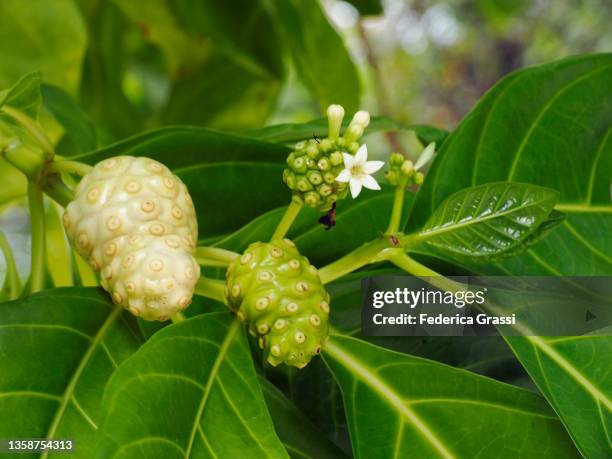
[223, 349]
[371, 379]
[540, 344]
[583, 208]
[544, 110]
[424, 235]
[69, 392]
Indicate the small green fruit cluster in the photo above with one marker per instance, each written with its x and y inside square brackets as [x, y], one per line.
[314, 165]
[279, 294]
[312, 170]
[402, 172]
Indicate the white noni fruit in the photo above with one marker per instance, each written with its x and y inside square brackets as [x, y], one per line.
[133, 220]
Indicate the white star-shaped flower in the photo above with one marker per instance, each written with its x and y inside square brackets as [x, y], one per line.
[357, 171]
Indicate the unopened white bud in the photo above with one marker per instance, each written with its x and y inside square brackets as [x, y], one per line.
[335, 114]
[426, 156]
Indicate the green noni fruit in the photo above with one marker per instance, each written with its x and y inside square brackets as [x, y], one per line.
[279, 294]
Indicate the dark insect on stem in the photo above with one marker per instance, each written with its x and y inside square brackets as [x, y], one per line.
[314, 136]
[394, 240]
[329, 219]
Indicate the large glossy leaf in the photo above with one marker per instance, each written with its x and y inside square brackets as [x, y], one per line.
[548, 125]
[293, 132]
[57, 351]
[321, 59]
[41, 35]
[190, 391]
[403, 406]
[232, 179]
[488, 220]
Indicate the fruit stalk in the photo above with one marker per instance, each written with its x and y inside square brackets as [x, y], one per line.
[214, 256]
[288, 218]
[354, 260]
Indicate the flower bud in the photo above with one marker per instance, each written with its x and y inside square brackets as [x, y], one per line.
[335, 114]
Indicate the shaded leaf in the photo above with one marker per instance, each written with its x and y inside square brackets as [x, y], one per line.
[301, 437]
[294, 132]
[367, 7]
[77, 124]
[320, 57]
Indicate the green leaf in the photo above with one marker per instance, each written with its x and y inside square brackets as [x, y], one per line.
[404, 406]
[101, 92]
[237, 95]
[160, 26]
[77, 124]
[223, 172]
[367, 7]
[568, 372]
[370, 213]
[57, 350]
[24, 95]
[547, 125]
[45, 36]
[225, 55]
[320, 57]
[190, 391]
[488, 220]
[294, 132]
[301, 437]
[550, 126]
[551, 222]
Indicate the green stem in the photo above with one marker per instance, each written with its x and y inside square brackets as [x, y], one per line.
[367, 253]
[411, 266]
[70, 167]
[292, 211]
[57, 190]
[398, 207]
[37, 215]
[178, 317]
[214, 256]
[436, 279]
[28, 162]
[211, 288]
[12, 284]
[33, 129]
